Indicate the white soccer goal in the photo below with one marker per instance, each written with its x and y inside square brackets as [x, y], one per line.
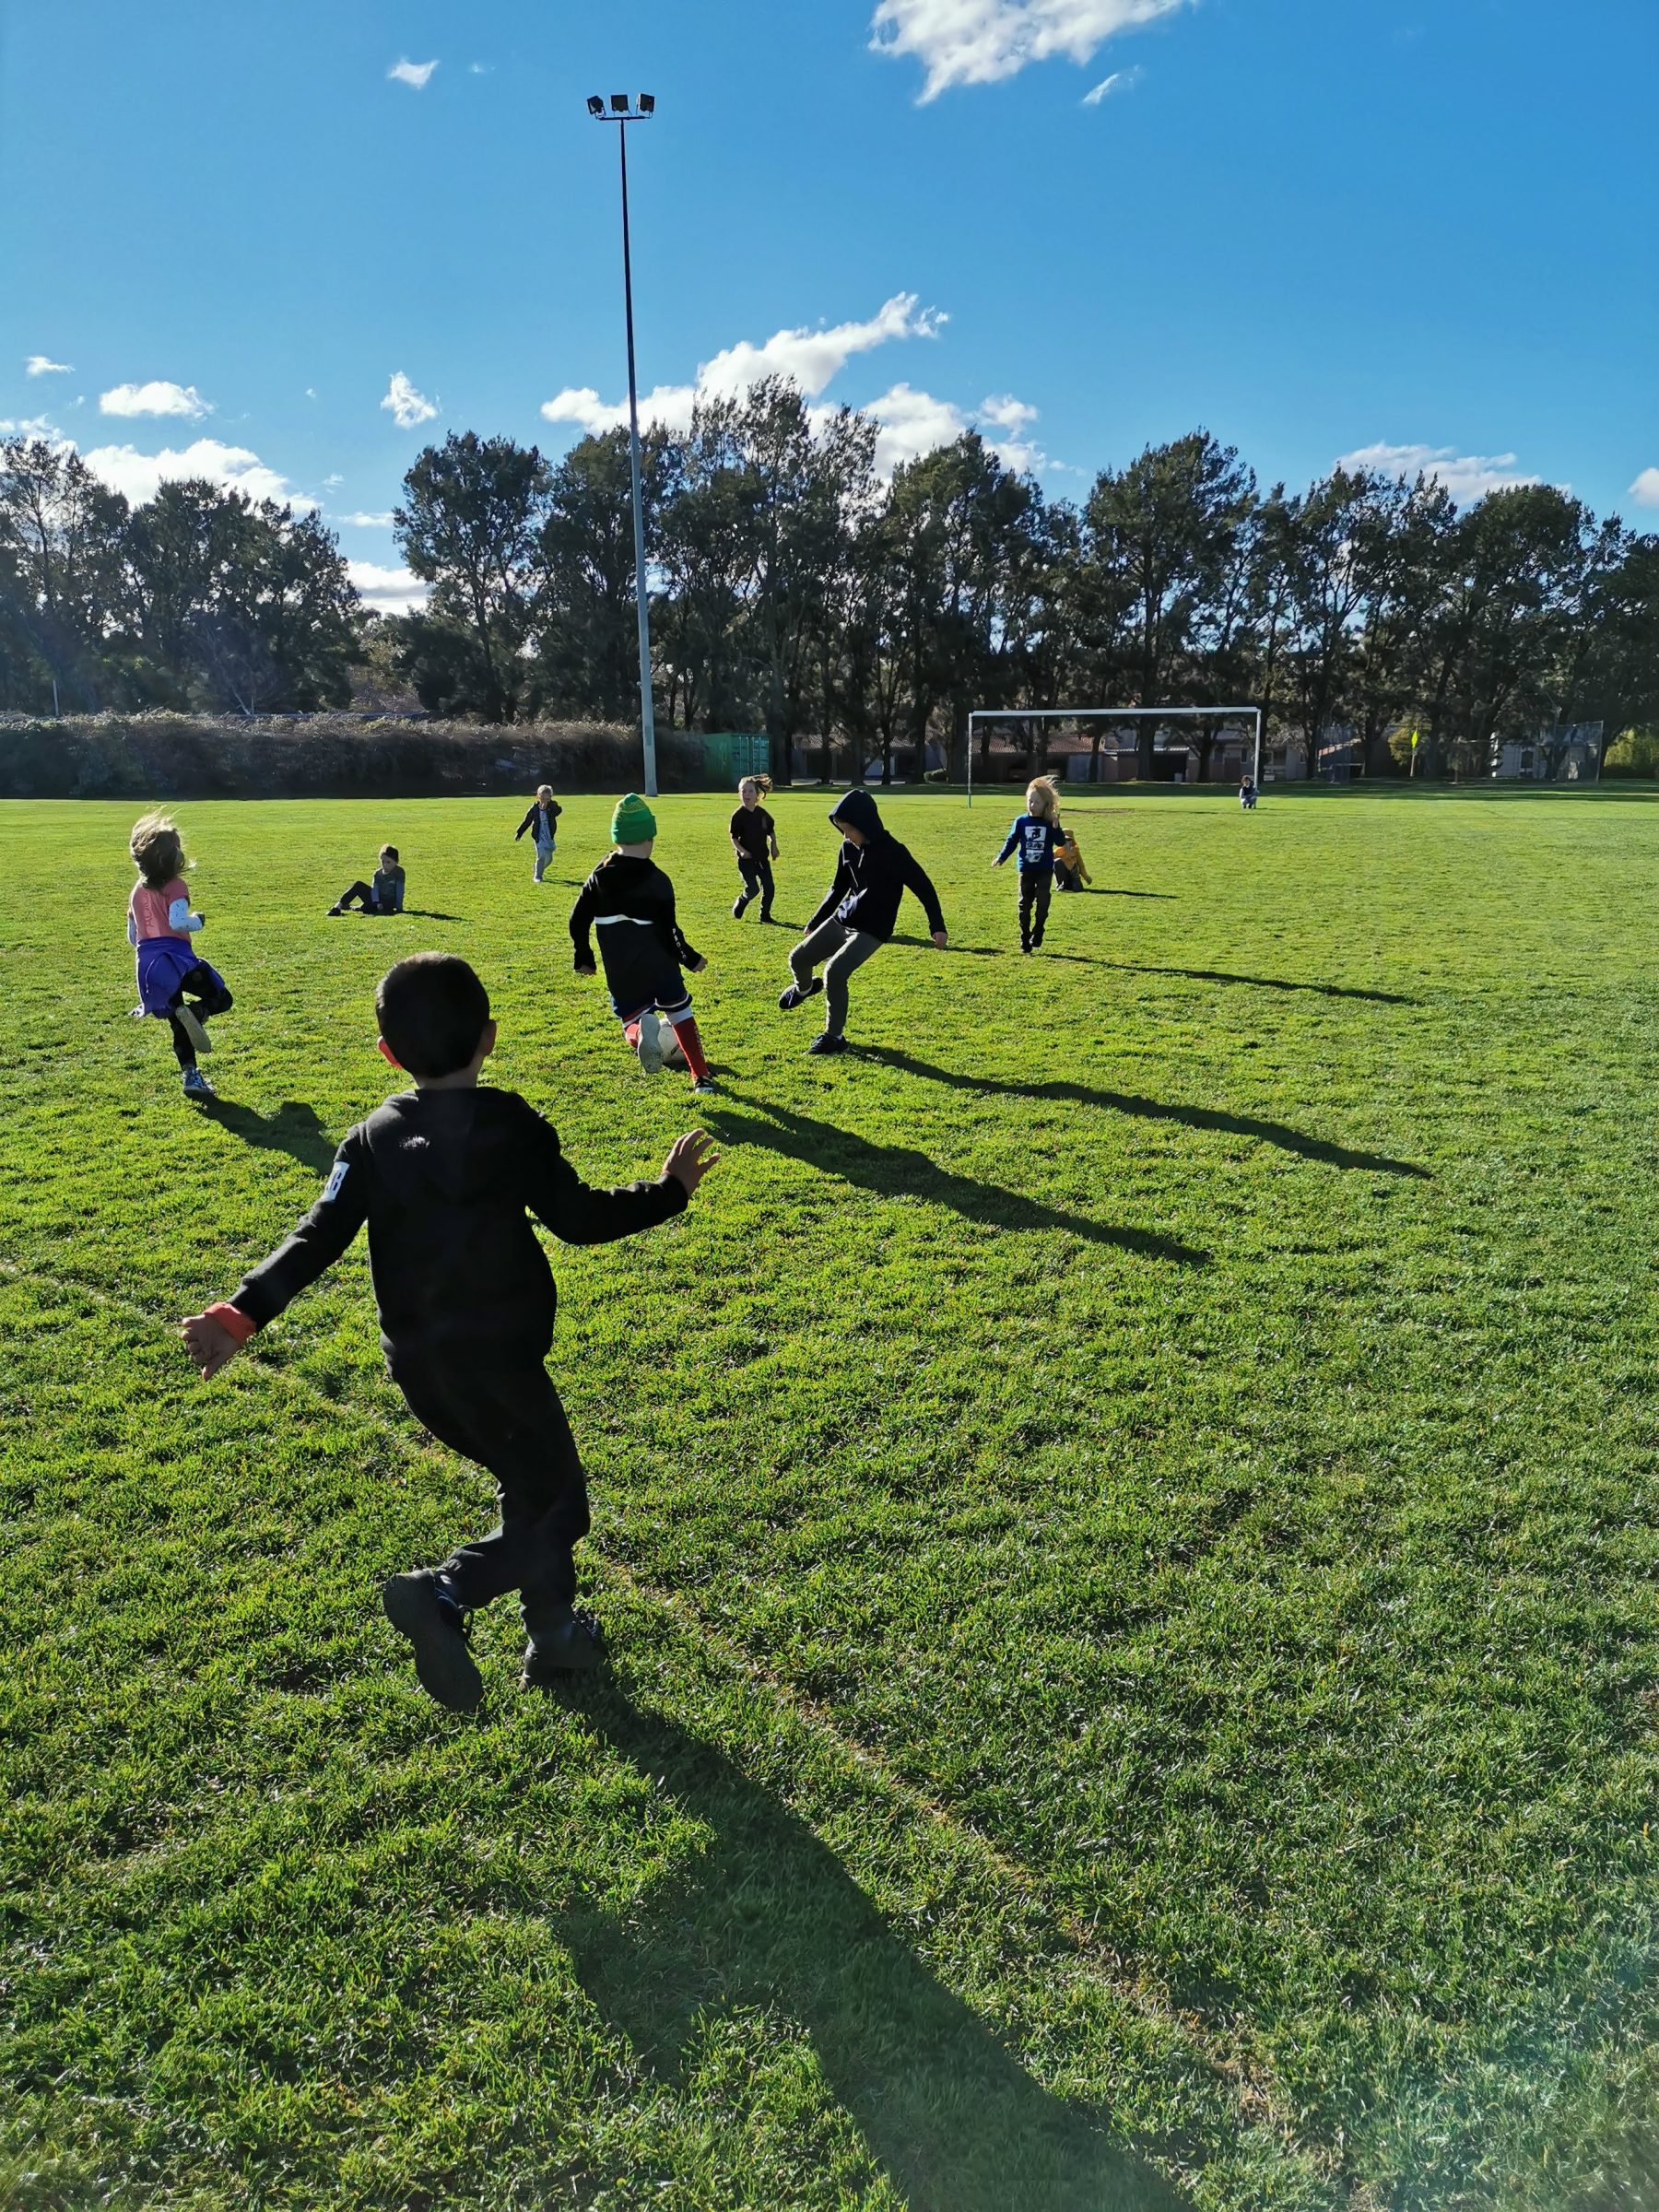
[1249, 716]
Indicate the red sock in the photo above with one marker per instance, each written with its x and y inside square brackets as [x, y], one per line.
[691, 1045]
[630, 1030]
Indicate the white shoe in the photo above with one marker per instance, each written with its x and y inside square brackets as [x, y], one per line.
[193, 1028]
[673, 1053]
[651, 1043]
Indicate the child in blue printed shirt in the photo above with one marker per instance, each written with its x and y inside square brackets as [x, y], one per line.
[1033, 835]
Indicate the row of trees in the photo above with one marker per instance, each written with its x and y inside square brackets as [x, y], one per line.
[795, 590]
[200, 597]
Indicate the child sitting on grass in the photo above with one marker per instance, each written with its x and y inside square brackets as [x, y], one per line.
[858, 915]
[755, 842]
[630, 901]
[443, 1175]
[1070, 874]
[384, 895]
[542, 817]
[1033, 835]
[161, 929]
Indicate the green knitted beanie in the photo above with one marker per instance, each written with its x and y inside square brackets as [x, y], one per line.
[632, 822]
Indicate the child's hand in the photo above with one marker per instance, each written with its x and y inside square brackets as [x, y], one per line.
[698, 966]
[209, 1344]
[996, 864]
[690, 1158]
[586, 968]
[940, 939]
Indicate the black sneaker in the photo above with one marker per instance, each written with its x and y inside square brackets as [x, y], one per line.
[798, 993]
[737, 907]
[826, 1043]
[574, 1647]
[418, 1607]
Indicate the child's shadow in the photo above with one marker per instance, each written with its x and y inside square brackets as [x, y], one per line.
[897, 1172]
[293, 1129]
[773, 1920]
[426, 913]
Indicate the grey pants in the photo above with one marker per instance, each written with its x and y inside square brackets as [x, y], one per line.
[840, 949]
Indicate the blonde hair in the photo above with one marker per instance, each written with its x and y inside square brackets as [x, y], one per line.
[156, 849]
[1043, 798]
[544, 791]
[762, 785]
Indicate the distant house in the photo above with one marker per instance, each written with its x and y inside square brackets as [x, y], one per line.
[1568, 752]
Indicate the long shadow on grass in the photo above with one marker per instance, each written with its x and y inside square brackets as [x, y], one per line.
[775, 1921]
[1152, 1109]
[293, 1129]
[898, 1172]
[1265, 983]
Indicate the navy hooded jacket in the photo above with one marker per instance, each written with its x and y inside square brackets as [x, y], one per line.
[871, 878]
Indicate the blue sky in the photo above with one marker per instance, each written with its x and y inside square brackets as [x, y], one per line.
[1319, 228]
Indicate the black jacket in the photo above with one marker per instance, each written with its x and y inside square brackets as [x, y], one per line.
[871, 878]
[443, 1178]
[625, 888]
[553, 812]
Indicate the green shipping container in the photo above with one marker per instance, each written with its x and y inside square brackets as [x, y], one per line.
[729, 754]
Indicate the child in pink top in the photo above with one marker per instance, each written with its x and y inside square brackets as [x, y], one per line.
[161, 929]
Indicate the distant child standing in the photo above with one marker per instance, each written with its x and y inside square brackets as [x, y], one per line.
[631, 902]
[542, 817]
[858, 915]
[446, 1176]
[173, 980]
[755, 842]
[384, 895]
[1033, 835]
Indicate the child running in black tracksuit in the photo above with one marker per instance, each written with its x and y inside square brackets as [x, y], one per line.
[1034, 835]
[445, 1176]
[631, 902]
[857, 915]
[754, 841]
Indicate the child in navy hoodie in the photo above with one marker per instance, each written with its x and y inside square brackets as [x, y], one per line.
[857, 915]
[1033, 835]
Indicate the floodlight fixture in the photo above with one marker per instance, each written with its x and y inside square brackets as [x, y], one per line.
[648, 103]
[620, 103]
[595, 105]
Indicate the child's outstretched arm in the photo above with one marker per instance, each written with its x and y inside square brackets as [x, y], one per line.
[921, 882]
[215, 1336]
[582, 926]
[577, 1212]
[832, 897]
[1012, 840]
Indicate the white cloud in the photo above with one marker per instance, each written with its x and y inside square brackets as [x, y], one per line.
[310, 391]
[415, 74]
[408, 407]
[1007, 413]
[1467, 477]
[233, 467]
[387, 591]
[1645, 491]
[333, 483]
[43, 364]
[157, 397]
[982, 41]
[32, 426]
[480, 68]
[910, 423]
[1121, 80]
[366, 521]
[809, 358]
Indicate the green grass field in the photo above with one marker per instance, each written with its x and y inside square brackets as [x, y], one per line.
[1126, 1516]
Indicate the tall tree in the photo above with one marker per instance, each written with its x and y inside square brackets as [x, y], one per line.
[470, 525]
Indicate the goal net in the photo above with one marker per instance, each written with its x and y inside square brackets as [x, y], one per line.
[1196, 744]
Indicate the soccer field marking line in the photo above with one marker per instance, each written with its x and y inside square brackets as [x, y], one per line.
[1256, 2101]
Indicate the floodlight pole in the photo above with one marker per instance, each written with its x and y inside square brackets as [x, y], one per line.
[622, 118]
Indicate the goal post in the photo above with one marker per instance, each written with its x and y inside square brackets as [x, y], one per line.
[1249, 716]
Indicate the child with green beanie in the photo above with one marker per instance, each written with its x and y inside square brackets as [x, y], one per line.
[631, 902]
